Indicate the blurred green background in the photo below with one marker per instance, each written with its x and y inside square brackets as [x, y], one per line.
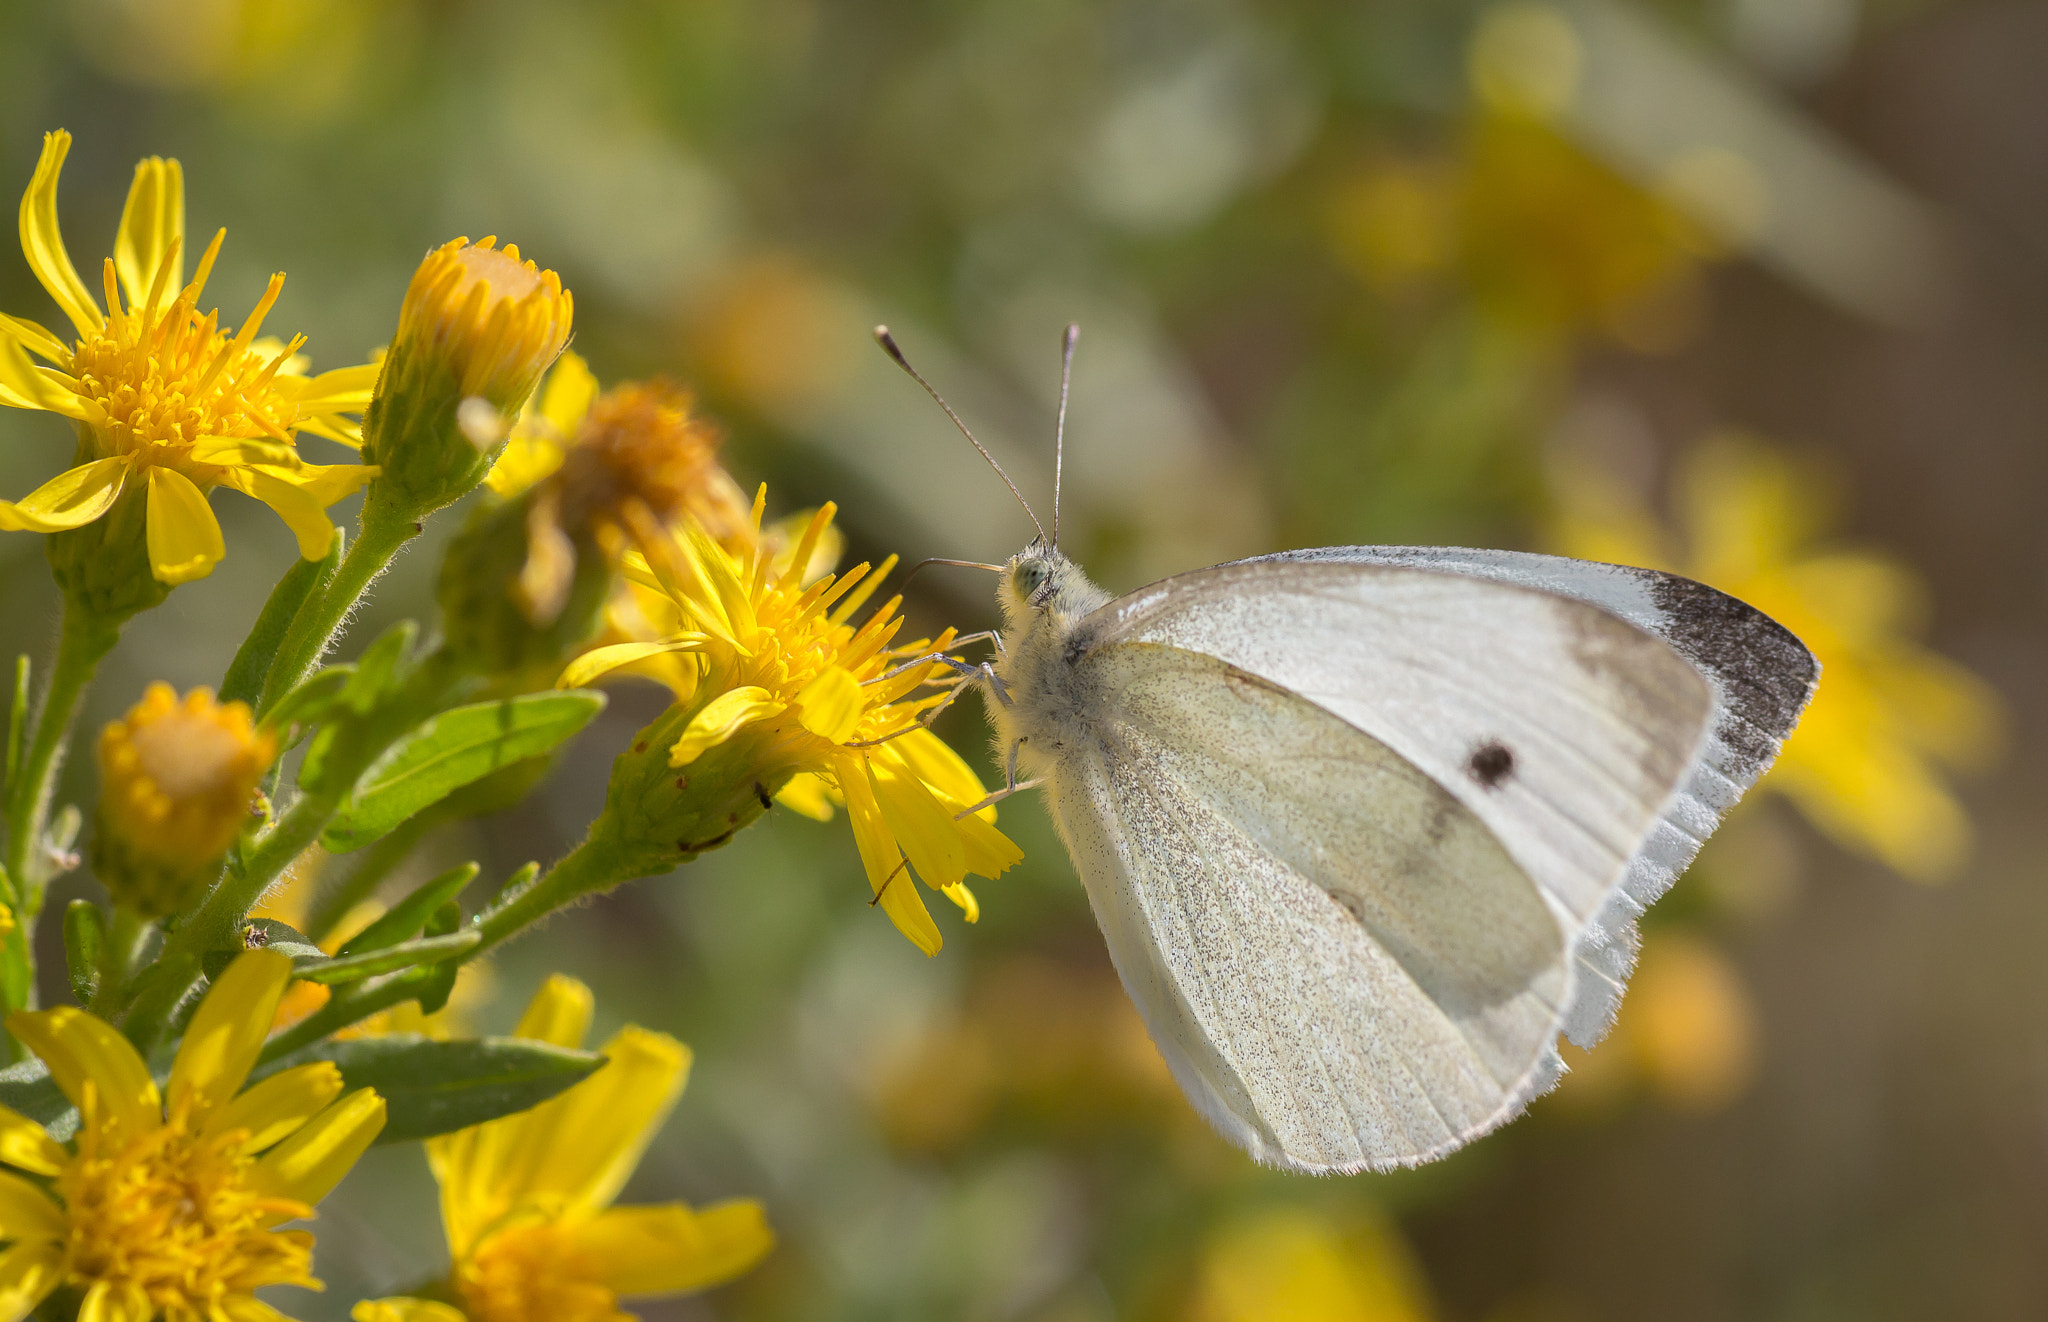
[1756, 289]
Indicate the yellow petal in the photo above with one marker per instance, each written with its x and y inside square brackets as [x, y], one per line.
[71, 499]
[722, 718]
[313, 1160]
[809, 794]
[405, 1310]
[279, 1105]
[111, 1301]
[25, 1145]
[228, 1030]
[184, 537]
[525, 460]
[234, 451]
[830, 705]
[670, 1248]
[44, 246]
[300, 510]
[34, 338]
[582, 1145]
[26, 1212]
[567, 395]
[559, 1013]
[934, 762]
[152, 226]
[325, 483]
[23, 385]
[599, 661]
[881, 858]
[81, 1048]
[28, 1272]
[969, 906]
[344, 390]
[921, 824]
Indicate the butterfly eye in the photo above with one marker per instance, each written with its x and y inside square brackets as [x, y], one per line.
[1029, 577]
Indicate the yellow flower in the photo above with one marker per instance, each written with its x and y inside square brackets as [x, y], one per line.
[778, 662]
[493, 322]
[167, 1205]
[526, 1201]
[1865, 765]
[167, 402]
[1290, 1264]
[614, 467]
[177, 783]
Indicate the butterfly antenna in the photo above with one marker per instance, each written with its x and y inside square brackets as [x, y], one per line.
[1059, 435]
[904, 582]
[888, 343]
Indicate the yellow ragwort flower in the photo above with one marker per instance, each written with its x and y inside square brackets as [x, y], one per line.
[616, 467]
[495, 323]
[527, 1201]
[778, 661]
[1283, 1263]
[1866, 763]
[166, 1206]
[178, 779]
[166, 399]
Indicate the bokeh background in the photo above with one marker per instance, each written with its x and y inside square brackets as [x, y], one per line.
[1753, 289]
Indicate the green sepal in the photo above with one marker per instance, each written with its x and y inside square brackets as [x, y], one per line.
[432, 1087]
[410, 915]
[452, 750]
[251, 666]
[85, 938]
[388, 959]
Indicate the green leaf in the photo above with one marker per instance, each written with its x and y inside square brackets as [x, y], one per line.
[389, 959]
[431, 1087]
[437, 984]
[452, 750]
[409, 916]
[311, 700]
[17, 719]
[28, 1088]
[246, 673]
[85, 936]
[381, 668]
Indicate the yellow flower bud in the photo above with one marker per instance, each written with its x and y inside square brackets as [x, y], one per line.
[177, 781]
[477, 323]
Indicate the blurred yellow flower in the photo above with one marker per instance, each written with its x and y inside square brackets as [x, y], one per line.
[618, 467]
[177, 785]
[1548, 240]
[1291, 1264]
[165, 399]
[166, 1206]
[1866, 763]
[1687, 1030]
[526, 1201]
[828, 703]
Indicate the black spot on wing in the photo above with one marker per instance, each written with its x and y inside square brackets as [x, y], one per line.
[1491, 764]
[1766, 673]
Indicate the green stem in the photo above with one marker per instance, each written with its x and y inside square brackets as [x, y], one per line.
[118, 953]
[372, 866]
[592, 867]
[384, 532]
[83, 641]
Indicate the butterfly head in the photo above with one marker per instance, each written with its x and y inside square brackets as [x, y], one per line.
[1041, 584]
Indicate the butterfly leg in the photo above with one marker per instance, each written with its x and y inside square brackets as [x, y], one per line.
[1010, 785]
[985, 672]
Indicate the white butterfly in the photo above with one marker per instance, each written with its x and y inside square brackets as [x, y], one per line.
[1367, 828]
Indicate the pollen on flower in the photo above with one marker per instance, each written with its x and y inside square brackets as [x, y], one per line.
[179, 777]
[174, 1215]
[533, 1273]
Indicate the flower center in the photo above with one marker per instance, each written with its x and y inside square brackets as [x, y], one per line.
[173, 1215]
[169, 380]
[533, 1273]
